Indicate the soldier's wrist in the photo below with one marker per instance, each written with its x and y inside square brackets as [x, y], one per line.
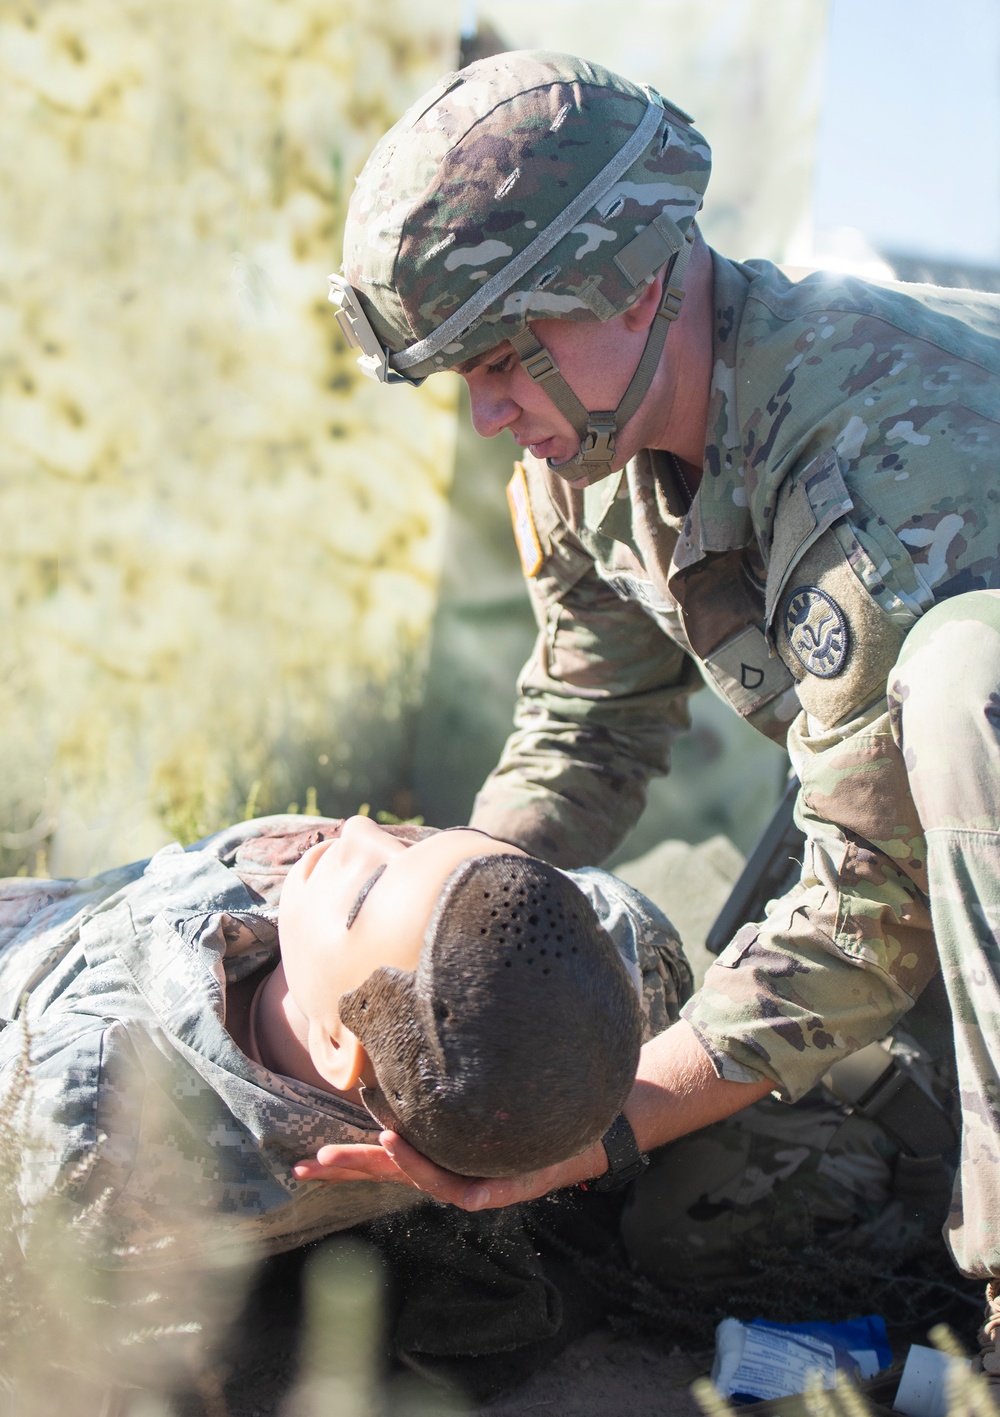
[623, 1161]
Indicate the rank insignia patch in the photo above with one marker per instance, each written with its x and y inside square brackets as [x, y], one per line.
[528, 546]
[817, 631]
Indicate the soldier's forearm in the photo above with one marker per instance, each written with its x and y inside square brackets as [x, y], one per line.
[677, 1089]
[573, 776]
[561, 828]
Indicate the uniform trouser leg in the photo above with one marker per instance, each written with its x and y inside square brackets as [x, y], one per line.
[944, 695]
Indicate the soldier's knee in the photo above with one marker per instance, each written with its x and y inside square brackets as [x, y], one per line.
[947, 678]
[774, 1178]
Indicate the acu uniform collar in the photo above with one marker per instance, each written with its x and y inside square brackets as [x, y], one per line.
[720, 517]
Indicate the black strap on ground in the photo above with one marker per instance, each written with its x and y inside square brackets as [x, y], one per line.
[876, 1084]
[772, 868]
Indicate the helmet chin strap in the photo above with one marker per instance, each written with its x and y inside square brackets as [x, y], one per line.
[597, 429]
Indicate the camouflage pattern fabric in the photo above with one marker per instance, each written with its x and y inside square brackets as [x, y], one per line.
[139, 1098]
[716, 1205]
[944, 711]
[850, 485]
[471, 177]
[776, 1178]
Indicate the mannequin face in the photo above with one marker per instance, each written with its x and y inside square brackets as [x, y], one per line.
[387, 889]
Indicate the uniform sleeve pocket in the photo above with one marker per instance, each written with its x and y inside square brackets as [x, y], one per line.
[807, 505]
[738, 946]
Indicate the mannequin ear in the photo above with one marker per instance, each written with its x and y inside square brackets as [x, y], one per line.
[641, 314]
[341, 1061]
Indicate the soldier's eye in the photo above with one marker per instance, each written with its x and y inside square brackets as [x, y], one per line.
[501, 366]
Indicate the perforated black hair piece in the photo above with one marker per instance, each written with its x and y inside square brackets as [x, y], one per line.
[514, 1043]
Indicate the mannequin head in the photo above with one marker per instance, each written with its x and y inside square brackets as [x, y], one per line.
[351, 904]
[467, 987]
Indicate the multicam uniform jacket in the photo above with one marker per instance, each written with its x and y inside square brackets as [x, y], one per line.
[850, 482]
[137, 1093]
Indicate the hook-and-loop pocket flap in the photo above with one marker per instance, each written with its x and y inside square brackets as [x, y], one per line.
[808, 504]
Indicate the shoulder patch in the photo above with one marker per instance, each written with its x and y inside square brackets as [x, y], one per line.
[817, 631]
[529, 548]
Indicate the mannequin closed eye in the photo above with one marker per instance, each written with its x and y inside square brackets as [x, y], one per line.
[374, 877]
[362, 895]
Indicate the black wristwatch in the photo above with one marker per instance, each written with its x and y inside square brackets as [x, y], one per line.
[625, 1160]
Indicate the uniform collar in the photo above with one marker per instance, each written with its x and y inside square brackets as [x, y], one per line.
[177, 926]
[607, 509]
[719, 519]
[598, 499]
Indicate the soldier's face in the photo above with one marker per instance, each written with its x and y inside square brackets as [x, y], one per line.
[596, 359]
[361, 900]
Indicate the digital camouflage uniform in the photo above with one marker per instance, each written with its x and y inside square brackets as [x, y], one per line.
[850, 487]
[140, 1100]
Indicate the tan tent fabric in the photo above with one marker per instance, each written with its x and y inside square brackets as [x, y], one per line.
[221, 545]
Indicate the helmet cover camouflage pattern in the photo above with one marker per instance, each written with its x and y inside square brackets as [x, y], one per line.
[481, 167]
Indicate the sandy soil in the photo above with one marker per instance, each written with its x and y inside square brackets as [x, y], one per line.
[601, 1376]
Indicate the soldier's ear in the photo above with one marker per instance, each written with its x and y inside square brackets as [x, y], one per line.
[642, 313]
[341, 1060]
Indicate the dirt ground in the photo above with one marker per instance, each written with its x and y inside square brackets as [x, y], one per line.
[602, 1376]
[606, 1372]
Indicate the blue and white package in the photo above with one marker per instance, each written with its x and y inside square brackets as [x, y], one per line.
[762, 1360]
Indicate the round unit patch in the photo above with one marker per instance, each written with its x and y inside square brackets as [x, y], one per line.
[817, 631]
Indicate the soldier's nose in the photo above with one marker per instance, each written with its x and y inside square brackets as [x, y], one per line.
[490, 414]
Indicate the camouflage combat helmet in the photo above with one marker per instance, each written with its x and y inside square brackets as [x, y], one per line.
[528, 185]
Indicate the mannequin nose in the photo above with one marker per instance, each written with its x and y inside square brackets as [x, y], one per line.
[361, 832]
[363, 840]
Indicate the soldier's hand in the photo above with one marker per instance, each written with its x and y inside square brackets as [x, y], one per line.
[402, 1163]
[467, 1192]
[351, 1162]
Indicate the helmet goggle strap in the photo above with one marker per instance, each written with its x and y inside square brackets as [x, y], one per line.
[357, 330]
[597, 429]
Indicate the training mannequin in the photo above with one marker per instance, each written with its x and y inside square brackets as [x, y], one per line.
[334, 926]
[145, 993]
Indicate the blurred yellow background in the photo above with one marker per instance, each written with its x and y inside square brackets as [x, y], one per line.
[221, 543]
[221, 586]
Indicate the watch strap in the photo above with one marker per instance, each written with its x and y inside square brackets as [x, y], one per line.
[625, 1160]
